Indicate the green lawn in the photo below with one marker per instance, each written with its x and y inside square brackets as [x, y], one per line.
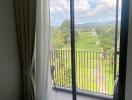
[87, 41]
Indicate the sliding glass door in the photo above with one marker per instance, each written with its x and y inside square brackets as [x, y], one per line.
[97, 32]
[85, 48]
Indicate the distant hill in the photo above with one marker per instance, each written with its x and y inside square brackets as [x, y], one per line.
[95, 25]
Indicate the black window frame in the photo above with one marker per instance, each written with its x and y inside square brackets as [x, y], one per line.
[123, 49]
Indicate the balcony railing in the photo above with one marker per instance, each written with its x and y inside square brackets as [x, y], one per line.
[94, 70]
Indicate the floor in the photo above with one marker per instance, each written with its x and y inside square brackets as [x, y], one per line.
[62, 95]
[68, 96]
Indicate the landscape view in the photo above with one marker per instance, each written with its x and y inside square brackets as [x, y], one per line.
[94, 40]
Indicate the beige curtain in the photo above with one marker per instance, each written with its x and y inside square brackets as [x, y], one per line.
[43, 77]
[25, 11]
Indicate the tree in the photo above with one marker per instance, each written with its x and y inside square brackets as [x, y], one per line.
[106, 37]
[65, 28]
[61, 36]
[65, 31]
[57, 39]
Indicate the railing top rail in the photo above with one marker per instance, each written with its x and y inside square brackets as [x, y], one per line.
[83, 51]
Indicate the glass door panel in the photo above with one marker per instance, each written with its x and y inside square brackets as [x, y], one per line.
[60, 44]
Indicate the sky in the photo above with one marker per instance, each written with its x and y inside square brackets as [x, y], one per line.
[86, 11]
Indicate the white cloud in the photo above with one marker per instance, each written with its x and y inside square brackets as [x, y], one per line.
[83, 8]
[59, 6]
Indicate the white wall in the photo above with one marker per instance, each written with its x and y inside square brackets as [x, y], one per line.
[9, 56]
[129, 58]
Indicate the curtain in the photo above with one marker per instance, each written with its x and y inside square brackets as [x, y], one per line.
[25, 11]
[43, 78]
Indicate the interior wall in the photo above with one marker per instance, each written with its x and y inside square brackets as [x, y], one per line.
[9, 54]
[129, 58]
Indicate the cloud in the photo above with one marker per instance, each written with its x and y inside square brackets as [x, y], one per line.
[84, 8]
[59, 6]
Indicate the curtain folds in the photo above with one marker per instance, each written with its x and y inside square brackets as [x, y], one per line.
[43, 78]
[25, 11]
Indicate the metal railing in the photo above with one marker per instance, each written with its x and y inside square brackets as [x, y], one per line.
[94, 70]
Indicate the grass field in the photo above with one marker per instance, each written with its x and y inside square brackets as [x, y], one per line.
[93, 72]
[87, 41]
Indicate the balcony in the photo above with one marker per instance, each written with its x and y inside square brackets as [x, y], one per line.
[94, 75]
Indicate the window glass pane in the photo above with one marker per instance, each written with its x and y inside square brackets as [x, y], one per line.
[60, 56]
[95, 31]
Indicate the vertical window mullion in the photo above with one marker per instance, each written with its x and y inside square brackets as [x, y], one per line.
[116, 39]
[72, 26]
